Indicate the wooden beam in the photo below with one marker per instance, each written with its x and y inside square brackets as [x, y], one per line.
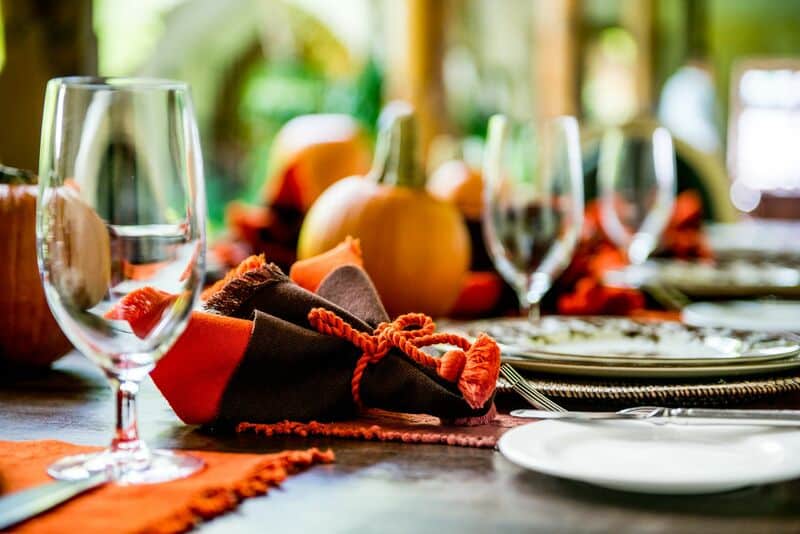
[43, 39]
[638, 17]
[424, 56]
[556, 57]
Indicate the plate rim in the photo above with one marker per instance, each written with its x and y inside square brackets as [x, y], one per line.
[615, 278]
[620, 371]
[605, 360]
[689, 312]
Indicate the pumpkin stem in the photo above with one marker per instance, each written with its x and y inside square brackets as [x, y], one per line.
[396, 159]
[12, 176]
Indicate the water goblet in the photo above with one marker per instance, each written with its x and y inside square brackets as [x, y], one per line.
[121, 207]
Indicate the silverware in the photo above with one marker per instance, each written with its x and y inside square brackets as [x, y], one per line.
[536, 398]
[681, 416]
[669, 297]
[22, 505]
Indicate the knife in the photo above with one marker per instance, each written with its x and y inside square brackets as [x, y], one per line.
[22, 505]
[681, 416]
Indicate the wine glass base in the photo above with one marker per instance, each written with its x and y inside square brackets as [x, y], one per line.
[127, 468]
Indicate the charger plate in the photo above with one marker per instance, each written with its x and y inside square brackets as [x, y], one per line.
[689, 392]
[624, 347]
[653, 371]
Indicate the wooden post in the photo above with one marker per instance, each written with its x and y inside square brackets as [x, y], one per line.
[43, 39]
[556, 58]
[638, 17]
[424, 86]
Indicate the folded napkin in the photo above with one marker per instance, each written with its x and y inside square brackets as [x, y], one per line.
[176, 506]
[267, 350]
[581, 290]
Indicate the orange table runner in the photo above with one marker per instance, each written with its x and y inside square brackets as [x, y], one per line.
[379, 425]
[164, 508]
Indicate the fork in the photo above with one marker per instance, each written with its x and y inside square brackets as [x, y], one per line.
[536, 398]
[669, 297]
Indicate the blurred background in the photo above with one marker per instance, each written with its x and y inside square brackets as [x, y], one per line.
[722, 75]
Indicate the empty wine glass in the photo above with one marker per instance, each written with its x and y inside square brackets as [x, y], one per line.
[533, 203]
[636, 183]
[121, 207]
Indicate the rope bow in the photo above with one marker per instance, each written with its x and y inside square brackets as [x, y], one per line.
[474, 367]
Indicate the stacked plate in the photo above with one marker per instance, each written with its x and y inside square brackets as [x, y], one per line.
[734, 277]
[623, 347]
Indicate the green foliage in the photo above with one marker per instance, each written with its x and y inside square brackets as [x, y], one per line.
[273, 94]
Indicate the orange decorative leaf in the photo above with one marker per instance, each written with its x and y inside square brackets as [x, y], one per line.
[309, 273]
[142, 309]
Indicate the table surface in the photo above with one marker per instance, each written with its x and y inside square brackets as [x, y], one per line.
[387, 487]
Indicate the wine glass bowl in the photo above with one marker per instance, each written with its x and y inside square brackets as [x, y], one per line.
[533, 203]
[121, 208]
[636, 186]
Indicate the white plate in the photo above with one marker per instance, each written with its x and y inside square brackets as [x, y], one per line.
[732, 278]
[625, 342]
[648, 458]
[764, 316]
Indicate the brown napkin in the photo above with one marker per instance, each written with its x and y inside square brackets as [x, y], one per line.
[291, 371]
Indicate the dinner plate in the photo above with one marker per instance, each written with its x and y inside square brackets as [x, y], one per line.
[761, 315]
[738, 277]
[663, 459]
[625, 342]
[652, 371]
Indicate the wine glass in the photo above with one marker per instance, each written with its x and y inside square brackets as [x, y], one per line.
[533, 203]
[636, 182]
[121, 207]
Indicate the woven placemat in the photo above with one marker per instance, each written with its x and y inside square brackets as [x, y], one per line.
[720, 392]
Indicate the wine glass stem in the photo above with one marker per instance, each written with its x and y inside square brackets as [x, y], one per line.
[126, 435]
[532, 311]
[528, 308]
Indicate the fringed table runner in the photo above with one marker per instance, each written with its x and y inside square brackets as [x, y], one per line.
[378, 425]
[165, 508]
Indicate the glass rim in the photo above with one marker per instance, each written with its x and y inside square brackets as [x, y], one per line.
[120, 83]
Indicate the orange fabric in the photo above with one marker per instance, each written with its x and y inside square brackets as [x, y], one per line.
[475, 367]
[194, 373]
[172, 507]
[581, 289]
[248, 264]
[141, 272]
[379, 425]
[142, 309]
[657, 315]
[479, 294]
[310, 272]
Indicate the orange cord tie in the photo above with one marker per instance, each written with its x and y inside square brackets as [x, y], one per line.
[474, 367]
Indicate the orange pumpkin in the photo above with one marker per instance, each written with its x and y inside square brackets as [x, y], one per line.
[29, 335]
[455, 181]
[415, 248]
[311, 152]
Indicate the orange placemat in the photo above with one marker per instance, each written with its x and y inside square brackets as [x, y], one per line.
[377, 425]
[163, 508]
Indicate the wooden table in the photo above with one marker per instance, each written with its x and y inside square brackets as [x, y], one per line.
[388, 487]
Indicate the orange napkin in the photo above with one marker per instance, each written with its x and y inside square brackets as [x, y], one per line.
[171, 507]
[581, 289]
